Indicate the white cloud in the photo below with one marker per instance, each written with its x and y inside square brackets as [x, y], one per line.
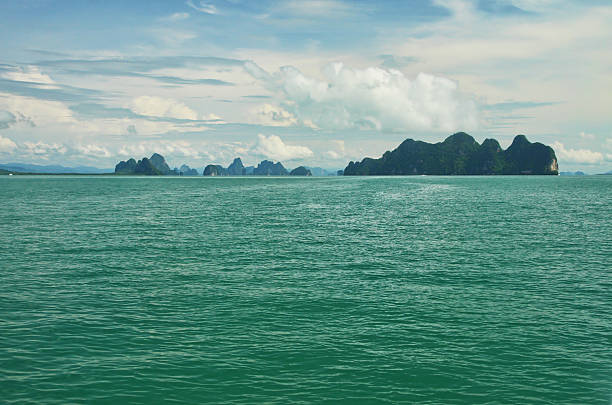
[269, 114]
[94, 150]
[31, 74]
[203, 7]
[43, 149]
[7, 145]
[511, 56]
[164, 147]
[161, 107]
[273, 147]
[576, 155]
[585, 135]
[338, 150]
[372, 98]
[176, 17]
[32, 110]
[214, 118]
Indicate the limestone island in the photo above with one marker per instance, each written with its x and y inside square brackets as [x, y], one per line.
[156, 166]
[460, 154]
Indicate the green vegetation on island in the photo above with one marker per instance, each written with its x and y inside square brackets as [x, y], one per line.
[215, 170]
[269, 168]
[460, 154]
[156, 166]
[300, 171]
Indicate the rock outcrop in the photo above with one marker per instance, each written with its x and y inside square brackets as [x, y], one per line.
[143, 167]
[300, 171]
[460, 154]
[236, 168]
[187, 171]
[269, 168]
[160, 164]
[126, 167]
[215, 170]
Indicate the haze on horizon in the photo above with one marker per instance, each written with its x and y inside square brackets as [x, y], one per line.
[316, 82]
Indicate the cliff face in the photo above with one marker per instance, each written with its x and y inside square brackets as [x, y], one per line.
[524, 157]
[126, 167]
[160, 164]
[460, 154]
[214, 170]
[187, 171]
[236, 168]
[300, 171]
[142, 167]
[268, 168]
[146, 167]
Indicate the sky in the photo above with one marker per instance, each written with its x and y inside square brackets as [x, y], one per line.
[312, 82]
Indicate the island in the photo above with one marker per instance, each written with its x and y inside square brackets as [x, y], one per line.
[156, 166]
[269, 168]
[460, 154]
[300, 171]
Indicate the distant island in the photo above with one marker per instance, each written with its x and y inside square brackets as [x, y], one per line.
[460, 154]
[156, 166]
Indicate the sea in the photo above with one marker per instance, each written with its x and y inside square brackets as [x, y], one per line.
[285, 290]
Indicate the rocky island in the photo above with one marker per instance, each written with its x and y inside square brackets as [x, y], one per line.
[300, 171]
[156, 166]
[460, 154]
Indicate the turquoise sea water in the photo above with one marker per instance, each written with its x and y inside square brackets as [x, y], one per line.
[433, 290]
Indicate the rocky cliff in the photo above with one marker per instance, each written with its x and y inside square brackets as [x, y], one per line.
[460, 154]
[300, 171]
[268, 168]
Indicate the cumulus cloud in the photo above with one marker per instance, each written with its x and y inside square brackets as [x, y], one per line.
[273, 147]
[29, 110]
[7, 145]
[170, 148]
[43, 149]
[576, 155]
[271, 115]
[372, 98]
[585, 135]
[94, 150]
[162, 107]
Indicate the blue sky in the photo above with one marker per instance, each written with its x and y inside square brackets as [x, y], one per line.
[317, 82]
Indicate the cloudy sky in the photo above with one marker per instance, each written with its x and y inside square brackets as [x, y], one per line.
[316, 82]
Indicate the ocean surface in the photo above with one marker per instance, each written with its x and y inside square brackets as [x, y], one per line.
[429, 290]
